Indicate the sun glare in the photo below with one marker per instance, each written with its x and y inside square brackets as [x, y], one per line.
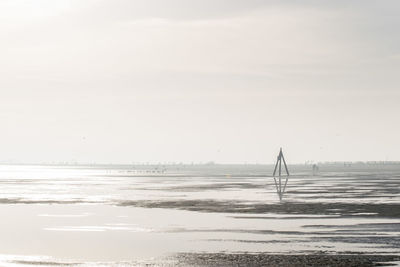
[28, 10]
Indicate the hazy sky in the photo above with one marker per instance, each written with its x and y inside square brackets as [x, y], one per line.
[189, 80]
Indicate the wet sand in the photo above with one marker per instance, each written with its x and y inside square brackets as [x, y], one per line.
[261, 259]
[227, 260]
[198, 216]
[388, 210]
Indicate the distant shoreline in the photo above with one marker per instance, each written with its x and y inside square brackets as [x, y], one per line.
[210, 164]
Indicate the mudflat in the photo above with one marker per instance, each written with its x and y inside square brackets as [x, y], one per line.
[218, 215]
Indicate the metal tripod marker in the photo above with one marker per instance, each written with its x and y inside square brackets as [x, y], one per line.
[279, 185]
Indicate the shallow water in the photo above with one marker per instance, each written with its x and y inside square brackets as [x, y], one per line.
[98, 215]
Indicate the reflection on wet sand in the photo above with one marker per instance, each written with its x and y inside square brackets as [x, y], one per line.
[277, 174]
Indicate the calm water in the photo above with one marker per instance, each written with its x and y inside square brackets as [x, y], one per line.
[79, 214]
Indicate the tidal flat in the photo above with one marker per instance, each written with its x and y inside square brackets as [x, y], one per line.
[199, 215]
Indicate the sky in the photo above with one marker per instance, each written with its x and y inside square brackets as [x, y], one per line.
[229, 81]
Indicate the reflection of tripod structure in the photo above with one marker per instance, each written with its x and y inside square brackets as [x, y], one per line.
[279, 185]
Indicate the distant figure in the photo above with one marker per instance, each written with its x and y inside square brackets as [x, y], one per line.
[315, 169]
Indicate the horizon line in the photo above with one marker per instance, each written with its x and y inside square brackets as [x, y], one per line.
[200, 163]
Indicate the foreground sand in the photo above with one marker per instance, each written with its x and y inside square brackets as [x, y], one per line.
[225, 260]
[219, 259]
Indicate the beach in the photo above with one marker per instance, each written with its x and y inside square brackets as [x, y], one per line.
[199, 215]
